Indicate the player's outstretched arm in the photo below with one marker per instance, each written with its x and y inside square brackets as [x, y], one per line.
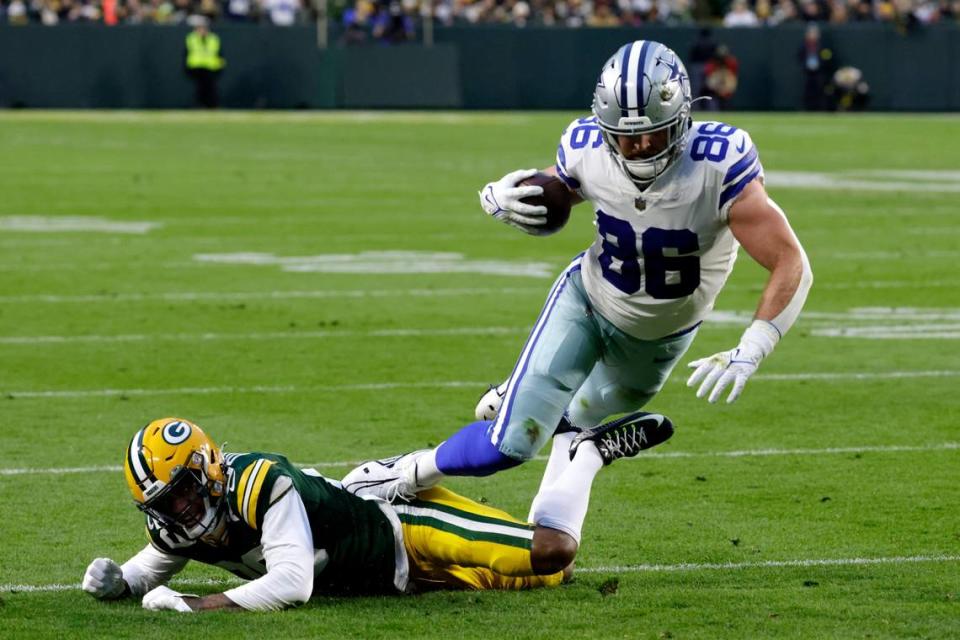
[288, 554]
[764, 232]
[106, 580]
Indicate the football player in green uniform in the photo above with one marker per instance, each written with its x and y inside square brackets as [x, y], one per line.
[292, 532]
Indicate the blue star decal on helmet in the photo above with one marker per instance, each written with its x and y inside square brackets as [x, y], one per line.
[674, 66]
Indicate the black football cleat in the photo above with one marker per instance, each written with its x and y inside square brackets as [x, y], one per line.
[565, 426]
[627, 436]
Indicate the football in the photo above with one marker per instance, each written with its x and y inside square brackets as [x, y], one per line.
[556, 198]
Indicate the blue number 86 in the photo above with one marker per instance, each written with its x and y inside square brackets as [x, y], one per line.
[714, 145]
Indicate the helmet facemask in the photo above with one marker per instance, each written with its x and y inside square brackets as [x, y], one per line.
[643, 171]
[191, 502]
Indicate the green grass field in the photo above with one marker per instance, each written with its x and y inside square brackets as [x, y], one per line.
[823, 504]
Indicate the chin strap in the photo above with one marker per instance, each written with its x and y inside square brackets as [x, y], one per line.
[696, 100]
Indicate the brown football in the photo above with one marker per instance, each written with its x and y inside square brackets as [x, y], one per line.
[556, 198]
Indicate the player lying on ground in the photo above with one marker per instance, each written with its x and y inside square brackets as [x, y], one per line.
[673, 200]
[293, 532]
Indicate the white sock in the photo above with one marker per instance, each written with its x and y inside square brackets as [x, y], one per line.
[556, 465]
[563, 505]
[428, 475]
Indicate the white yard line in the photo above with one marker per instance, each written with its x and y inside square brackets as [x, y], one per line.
[258, 117]
[369, 386]
[769, 564]
[194, 296]
[266, 335]
[634, 568]
[376, 386]
[852, 375]
[860, 284]
[745, 453]
[896, 332]
[74, 224]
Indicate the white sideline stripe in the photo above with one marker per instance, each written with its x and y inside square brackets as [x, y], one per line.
[768, 564]
[745, 453]
[630, 568]
[265, 335]
[377, 386]
[193, 296]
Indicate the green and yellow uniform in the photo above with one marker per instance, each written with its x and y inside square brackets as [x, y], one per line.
[440, 540]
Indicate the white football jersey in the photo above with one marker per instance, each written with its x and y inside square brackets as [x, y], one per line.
[661, 256]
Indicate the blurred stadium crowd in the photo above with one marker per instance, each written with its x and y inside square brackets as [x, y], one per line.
[360, 17]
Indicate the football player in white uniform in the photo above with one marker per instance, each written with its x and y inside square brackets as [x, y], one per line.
[673, 200]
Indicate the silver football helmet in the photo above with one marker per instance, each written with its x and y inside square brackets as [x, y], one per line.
[644, 88]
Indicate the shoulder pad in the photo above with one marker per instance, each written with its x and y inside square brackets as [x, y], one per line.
[250, 482]
[732, 153]
[580, 136]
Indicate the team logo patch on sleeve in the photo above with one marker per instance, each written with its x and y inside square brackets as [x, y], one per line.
[176, 432]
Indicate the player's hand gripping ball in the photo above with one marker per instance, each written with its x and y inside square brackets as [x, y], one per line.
[534, 202]
[556, 198]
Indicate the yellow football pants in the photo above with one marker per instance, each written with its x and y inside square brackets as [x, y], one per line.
[455, 543]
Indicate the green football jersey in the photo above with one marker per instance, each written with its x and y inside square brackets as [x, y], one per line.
[354, 541]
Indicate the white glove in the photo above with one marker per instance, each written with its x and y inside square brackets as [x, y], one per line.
[501, 199]
[489, 405]
[104, 579]
[165, 598]
[737, 365]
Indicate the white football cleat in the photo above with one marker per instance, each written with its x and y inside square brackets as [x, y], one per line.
[490, 402]
[389, 479]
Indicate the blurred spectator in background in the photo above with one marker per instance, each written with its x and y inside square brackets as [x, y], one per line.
[203, 62]
[817, 62]
[282, 13]
[110, 16]
[701, 52]
[905, 14]
[740, 15]
[240, 10]
[356, 23]
[814, 10]
[393, 25]
[520, 13]
[848, 91]
[17, 13]
[603, 15]
[721, 77]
